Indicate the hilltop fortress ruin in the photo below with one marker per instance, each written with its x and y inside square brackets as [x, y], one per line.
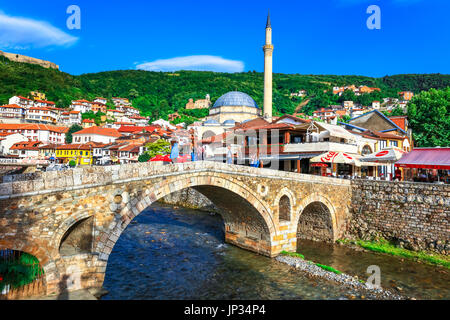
[25, 59]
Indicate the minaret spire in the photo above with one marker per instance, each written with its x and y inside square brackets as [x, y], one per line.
[268, 50]
[268, 25]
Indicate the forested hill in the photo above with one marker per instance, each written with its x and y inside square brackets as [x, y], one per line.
[160, 93]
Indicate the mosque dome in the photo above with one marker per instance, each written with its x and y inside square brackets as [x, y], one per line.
[235, 98]
[211, 122]
[229, 122]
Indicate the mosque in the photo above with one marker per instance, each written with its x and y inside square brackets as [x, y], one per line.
[237, 107]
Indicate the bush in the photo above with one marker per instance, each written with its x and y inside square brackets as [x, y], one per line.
[145, 157]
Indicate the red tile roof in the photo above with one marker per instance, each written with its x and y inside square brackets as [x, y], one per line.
[44, 101]
[84, 146]
[379, 135]
[20, 97]
[251, 123]
[12, 106]
[32, 126]
[295, 118]
[26, 145]
[99, 131]
[130, 147]
[399, 121]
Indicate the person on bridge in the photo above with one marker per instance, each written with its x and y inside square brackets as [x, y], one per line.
[253, 160]
[174, 152]
[229, 155]
[193, 155]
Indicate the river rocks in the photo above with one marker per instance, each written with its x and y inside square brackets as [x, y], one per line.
[342, 279]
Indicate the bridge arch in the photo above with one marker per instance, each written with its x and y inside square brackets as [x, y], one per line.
[30, 246]
[309, 206]
[226, 193]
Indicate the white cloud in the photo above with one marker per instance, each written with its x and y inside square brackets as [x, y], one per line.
[24, 33]
[196, 63]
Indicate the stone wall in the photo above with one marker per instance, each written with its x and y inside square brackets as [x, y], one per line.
[412, 215]
[25, 59]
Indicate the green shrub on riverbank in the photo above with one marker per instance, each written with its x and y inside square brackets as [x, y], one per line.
[293, 254]
[328, 268]
[299, 255]
[384, 246]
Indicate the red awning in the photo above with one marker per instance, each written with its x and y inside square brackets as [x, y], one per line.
[319, 164]
[426, 158]
[158, 157]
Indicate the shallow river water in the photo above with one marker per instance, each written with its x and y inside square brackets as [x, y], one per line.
[168, 253]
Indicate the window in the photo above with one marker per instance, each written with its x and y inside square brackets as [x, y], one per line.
[366, 150]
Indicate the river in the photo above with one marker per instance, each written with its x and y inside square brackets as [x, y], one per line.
[177, 253]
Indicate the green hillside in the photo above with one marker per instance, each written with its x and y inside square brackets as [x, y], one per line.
[158, 94]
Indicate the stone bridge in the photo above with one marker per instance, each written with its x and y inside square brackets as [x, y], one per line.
[70, 220]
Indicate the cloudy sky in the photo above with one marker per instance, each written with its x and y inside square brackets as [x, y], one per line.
[310, 37]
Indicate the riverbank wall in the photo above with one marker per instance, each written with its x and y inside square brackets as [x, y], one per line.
[415, 216]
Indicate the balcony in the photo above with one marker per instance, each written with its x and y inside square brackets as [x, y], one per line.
[322, 146]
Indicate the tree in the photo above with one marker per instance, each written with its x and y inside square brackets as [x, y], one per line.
[347, 95]
[397, 111]
[72, 163]
[345, 118]
[159, 147]
[429, 118]
[133, 93]
[74, 128]
[144, 157]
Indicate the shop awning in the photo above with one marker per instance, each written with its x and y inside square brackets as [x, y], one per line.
[342, 157]
[336, 131]
[426, 158]
[388, 155]
[289, 156]
[336, 157]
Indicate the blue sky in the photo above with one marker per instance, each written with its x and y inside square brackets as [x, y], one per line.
[310, 37]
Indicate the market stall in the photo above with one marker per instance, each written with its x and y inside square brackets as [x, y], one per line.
[426, 165]
[386, 159]
[342, 164]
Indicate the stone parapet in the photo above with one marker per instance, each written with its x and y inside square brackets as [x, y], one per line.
[85, 177]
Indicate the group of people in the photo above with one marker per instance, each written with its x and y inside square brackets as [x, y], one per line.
[197, 153]
[432, 176]
[203, 152]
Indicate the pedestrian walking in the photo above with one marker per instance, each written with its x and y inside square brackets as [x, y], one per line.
[229, 155]
[174, 152]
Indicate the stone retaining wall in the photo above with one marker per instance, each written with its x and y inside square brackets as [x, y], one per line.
[413, 215]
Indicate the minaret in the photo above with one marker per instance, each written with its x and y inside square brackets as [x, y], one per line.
[268, 49]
